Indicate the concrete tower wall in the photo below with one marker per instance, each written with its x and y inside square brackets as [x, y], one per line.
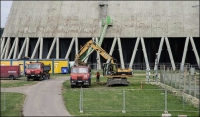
[82, 19]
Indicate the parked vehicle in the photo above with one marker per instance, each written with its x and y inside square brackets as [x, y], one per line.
[80, 76]
[37, 71]
[10, 71]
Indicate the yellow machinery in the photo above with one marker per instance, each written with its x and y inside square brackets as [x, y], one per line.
[114, 74]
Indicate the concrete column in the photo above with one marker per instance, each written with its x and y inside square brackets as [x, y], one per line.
[7, 48]
[195, 51]
[27, 46]
[170, 53]
[57, 48]
[112, 48]
[22, 49]
[36, 48]
[134, 52]
[76, 45]
[159, 51]
[51, 48]
[145, 54]
[121, 53]
[12, 49]
[16, 47]
[41, 47]
[70, 48]
[98, 58]
[185, 52]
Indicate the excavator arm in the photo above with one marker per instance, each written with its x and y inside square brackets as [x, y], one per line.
[94, 46]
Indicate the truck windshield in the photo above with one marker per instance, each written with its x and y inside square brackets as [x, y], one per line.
[33, 66]
[79, 70]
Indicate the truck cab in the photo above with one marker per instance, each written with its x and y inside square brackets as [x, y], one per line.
[37, 70]
[80, 76]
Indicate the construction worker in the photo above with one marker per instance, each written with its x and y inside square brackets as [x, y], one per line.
[97, 76]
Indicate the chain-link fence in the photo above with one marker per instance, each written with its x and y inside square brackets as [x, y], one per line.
[132, 100]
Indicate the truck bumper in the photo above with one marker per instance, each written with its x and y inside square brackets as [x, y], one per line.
[83, 83]
[31, 76]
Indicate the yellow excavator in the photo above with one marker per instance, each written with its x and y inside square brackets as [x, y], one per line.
[111, 71]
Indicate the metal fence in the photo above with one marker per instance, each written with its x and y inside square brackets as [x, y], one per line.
[123, 100]
[3, 100]
[142, 66]
[186, 79]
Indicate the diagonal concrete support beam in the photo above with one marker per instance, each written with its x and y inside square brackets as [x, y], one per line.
[16, 47]
[70, 48]
[145, 53]
[36, 48]
[159, 51]
[195, 51]
[134, 52]
[12, 49]
[90, 50]
[7, 48]
[2, 43]
[170, 53]
[22, 49]
[112, 48]
[185, 52]
[51, 48]
[98, 58]
[120, 53]
[27, 46]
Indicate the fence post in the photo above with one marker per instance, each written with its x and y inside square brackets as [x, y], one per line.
[166, 101]
[183, 100]
[185, 75]
[123, 108]
[195, 86]
[190, 88]
[164, 74]
[81, 101]
[171, 77]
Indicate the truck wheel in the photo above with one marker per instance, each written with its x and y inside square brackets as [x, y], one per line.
[72, 86]
[40, 78]
[27, 79]
[48, 76]
[11, 77]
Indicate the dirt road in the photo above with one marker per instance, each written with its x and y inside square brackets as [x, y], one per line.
[43, 98]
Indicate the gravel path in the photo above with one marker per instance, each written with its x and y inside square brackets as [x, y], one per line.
[43, 98]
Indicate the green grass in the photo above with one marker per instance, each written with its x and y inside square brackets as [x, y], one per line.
[99, 100]
[22, 81]
[14, 104]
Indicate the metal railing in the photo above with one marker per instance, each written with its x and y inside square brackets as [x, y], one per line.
[123, 100]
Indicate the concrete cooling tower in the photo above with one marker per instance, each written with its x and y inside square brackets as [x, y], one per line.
[138, 30]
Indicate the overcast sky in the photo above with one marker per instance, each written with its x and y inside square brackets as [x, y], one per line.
[5, 9]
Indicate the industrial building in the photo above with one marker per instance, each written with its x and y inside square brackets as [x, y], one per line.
[139, 30]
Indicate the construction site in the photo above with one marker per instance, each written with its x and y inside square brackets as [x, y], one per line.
[123, 40]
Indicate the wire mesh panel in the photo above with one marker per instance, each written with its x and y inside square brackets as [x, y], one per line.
[102, 100]
[138, 100]
[3, 101]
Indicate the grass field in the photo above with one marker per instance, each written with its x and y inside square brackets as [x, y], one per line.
[14, 104]
[22, 81]
[99, 100]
